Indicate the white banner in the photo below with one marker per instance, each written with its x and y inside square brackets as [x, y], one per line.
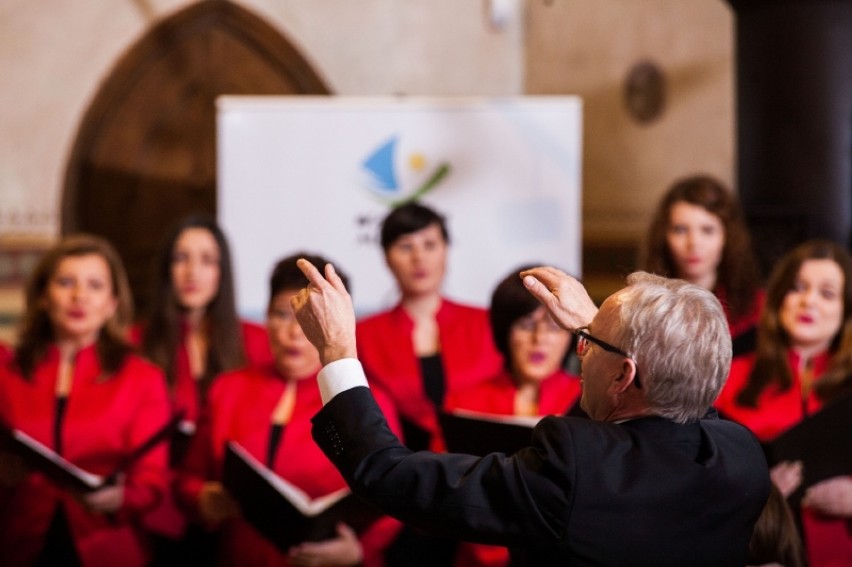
[318, 174]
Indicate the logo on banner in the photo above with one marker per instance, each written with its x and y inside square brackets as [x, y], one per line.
[398, 177]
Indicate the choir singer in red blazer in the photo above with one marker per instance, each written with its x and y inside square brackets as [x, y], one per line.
[75, 387]
[803, 363]
[533, 382]
[699, 234]
[426, 346]
[267, 410]
[192, 331]
[423, 349]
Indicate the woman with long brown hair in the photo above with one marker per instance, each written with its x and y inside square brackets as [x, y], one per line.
[192, 329]
[698, 234]
[803, 362]
[76, 387]
[193, 332]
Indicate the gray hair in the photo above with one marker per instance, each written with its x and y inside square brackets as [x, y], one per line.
[678, 335]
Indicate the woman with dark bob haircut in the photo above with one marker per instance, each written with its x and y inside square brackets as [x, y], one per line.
[533, 382]
[423, 349]
[426, 346]
[534, 348]
[76, 387]
[698, 234]
[803, 362]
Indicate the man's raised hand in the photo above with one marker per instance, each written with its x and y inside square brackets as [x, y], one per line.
[562, 295]
[324, 311]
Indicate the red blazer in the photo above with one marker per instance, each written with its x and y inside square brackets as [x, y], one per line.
[828, 540]
[559, 392]
[184, 390]
[104, 421]
[239, 408]
[776, 410]
[387, 353]
[5, 354]
[167, 519]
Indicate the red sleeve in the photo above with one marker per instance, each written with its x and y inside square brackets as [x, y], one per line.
[377, 538]
[737, 377]
[256, 344]
[145, 479]
[136, 335]
[197, 467]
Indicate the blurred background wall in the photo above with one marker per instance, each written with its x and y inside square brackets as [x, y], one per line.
[106, 110]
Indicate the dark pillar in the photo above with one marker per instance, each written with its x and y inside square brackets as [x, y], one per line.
[794, 121]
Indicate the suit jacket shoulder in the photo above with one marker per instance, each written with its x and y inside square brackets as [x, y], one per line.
[557, 500]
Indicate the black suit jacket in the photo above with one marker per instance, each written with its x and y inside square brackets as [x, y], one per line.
[645, 492]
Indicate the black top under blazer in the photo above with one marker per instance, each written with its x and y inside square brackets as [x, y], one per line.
[646, 492]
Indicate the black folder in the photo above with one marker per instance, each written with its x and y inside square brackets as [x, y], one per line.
[821, 441]
[181, 438]
[66, 474]
[282, 512]
[479, 434]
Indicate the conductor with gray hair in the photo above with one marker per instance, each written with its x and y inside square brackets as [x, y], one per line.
[653, 479]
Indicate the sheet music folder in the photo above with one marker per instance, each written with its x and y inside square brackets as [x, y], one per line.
[821, 441]
[282, 512]
[181, 438]
[66, 474]
[479, 434]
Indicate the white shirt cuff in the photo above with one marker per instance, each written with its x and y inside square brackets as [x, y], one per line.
[339, 376]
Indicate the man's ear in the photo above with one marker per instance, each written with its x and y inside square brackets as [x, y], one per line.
[625, 378]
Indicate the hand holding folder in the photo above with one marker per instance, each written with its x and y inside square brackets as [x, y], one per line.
[820, 441]
[66, 474]
[283, 513]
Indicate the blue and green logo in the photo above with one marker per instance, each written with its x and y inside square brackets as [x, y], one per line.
[399, 179]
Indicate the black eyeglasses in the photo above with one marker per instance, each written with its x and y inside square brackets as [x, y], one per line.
[583, 340]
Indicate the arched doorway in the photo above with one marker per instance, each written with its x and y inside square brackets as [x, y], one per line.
[145, 154]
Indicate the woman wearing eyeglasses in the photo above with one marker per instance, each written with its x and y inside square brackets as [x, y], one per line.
[267, 410]
[533, 381]
[534, 348]
[803, 362]
[698, 234]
